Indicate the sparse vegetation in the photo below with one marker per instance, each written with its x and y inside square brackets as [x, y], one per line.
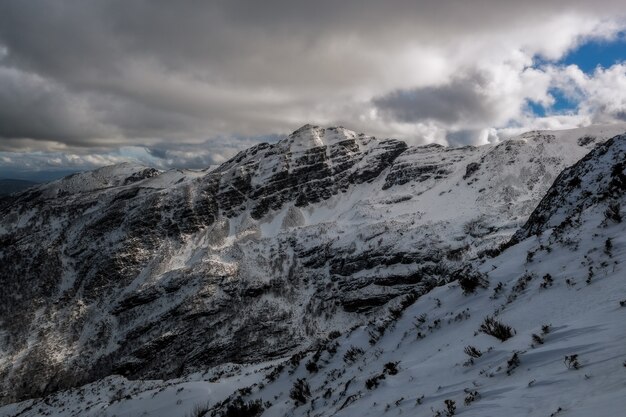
[300, 392]
[311, 367]
[471, 397]
[571, 361]
[494, 328]
[391, 368]
[613, 212]
[334, 334]
[352, 354]
[471, 280]
[512, 363]
[547, 281]
[200, 410]
[498, 289]
[240, 408]
[608, 246]
[472, 352]
[450, 408]
[372, 382]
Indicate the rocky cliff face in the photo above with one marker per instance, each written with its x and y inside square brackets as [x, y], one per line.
[155, 274]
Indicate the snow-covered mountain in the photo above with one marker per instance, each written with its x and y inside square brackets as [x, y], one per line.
[316, 244]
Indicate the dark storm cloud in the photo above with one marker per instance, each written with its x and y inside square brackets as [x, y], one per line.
[461, 99]
[86, 74]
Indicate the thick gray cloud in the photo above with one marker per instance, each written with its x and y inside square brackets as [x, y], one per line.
[89, 77]
[461, 99]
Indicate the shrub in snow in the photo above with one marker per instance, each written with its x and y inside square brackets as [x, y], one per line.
[334, 334]
[547, 281]
[312, 367]
[352, 354]
[391, 368]
[300, 392]
[471, 397]
[613, 212]
[497, 291]
[200, 410]
[571, 361]
[240, 408]
[471, 281]
[494, 328]
[450, 408]
[472, 352]
[512, 363]
[372, 382]
[275, 373]
[608, 246]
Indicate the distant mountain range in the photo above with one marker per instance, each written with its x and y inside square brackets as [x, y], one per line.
[10, 186]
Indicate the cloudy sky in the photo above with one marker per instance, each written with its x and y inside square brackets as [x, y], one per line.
[188, 83]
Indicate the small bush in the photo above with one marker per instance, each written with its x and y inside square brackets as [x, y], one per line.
[300, 392]
[334, 334]
[469, 279]
[512, 363]
[497, 290]
[372, 382]
[275, 373]
[391, 368]
[545, 329]
[200, 410]
[622, 303]
[537, 340]
[613, 212]
[450, 408]
[608, 246]
[471, 397]
[547, 281]
[494, 328]
[312, 367]
[352, 354]
[472, 352]
[240, 408]
[571, 361]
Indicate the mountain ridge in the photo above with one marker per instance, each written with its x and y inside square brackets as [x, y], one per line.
[255, 259]
[558, 289]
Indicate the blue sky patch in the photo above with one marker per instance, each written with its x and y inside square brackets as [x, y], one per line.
[597, 53]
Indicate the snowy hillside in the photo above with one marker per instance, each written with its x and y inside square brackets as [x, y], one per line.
[320, 239]
[537, 330]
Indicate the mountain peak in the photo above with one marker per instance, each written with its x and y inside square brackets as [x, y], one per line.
[312, 136]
